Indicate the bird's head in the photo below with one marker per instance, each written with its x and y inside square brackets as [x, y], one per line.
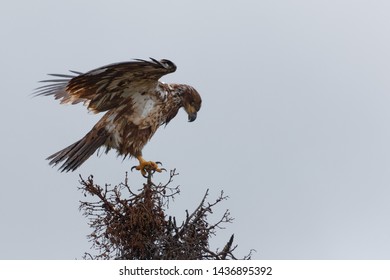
[191, 101]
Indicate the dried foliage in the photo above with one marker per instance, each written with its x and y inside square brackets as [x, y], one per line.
[134, 226]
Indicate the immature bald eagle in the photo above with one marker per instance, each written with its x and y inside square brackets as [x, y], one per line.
[136, 104]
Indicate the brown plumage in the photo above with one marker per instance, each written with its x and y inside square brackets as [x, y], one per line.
[134, 100]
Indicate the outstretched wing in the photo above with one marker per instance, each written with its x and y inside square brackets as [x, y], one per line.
[106, 87]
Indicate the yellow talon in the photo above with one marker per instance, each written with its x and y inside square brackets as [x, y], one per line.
[145, 166]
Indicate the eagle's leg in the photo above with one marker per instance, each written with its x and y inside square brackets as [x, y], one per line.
[145, 166]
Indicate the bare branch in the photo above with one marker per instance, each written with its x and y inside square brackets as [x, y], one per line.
[133, 225]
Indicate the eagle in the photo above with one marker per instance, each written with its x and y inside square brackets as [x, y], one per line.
[135, 103]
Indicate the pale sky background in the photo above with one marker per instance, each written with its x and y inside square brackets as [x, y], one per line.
[295, 123]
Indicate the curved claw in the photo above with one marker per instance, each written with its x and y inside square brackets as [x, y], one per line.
[160, 163]
[133, 167]
[145, 174]
[143, 171]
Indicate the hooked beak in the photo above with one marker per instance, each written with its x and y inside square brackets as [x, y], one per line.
[192, 117]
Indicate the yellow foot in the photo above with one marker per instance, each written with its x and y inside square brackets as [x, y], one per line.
[146, 166]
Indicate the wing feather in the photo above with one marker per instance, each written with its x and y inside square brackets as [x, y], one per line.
[109, 86]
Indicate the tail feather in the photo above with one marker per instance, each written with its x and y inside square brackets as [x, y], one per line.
[76, 154]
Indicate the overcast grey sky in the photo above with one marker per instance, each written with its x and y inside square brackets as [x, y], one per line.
[294, 125]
